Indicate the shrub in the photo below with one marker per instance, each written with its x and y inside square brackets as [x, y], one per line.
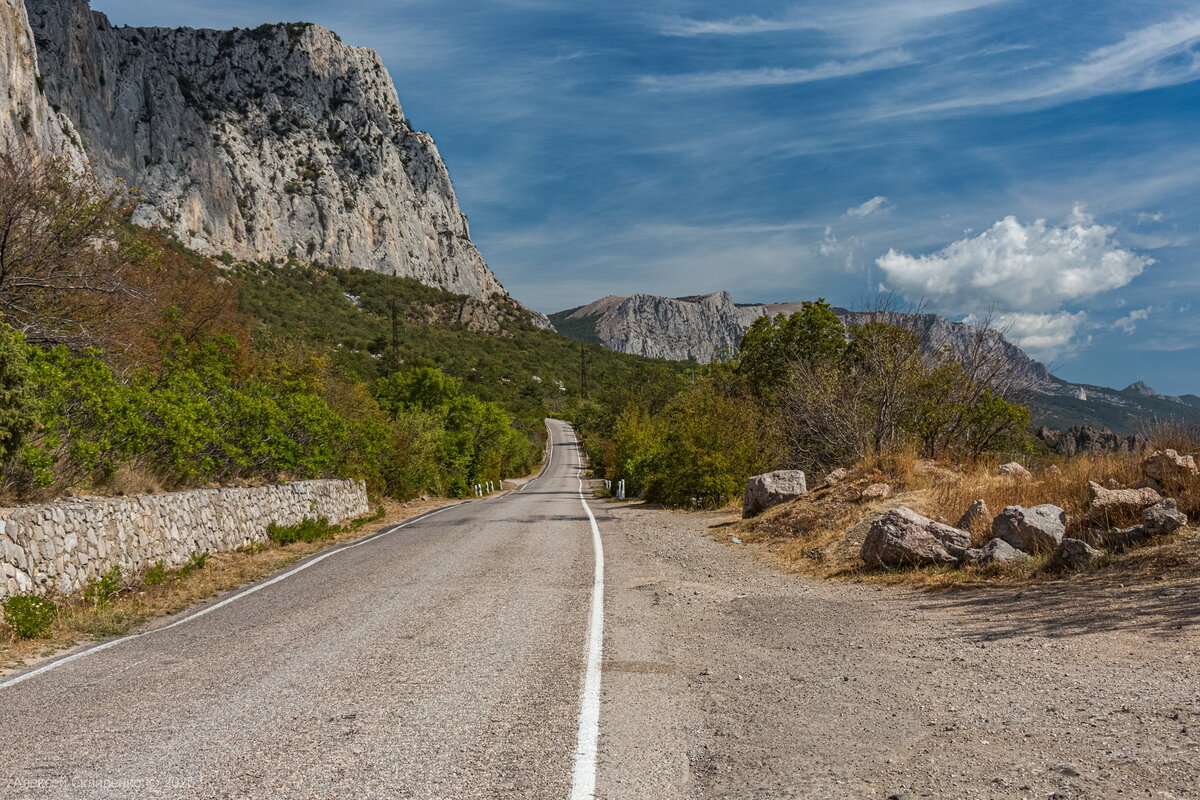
[102, 590]
[196, 560]
[155, 574]
[307, 530]
[30, 616]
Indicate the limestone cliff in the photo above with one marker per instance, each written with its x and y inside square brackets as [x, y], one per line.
[27, 121]
[260, 142]
[705, 327]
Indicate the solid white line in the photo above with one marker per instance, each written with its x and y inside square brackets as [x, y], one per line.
[583, 784]
[197, 615]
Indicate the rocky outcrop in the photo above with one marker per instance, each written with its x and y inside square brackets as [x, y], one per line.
[771, 489]
[1033, 530]
[675, 328]
[904, 538]
[260, 142]
[27, 122]
[1086, 439]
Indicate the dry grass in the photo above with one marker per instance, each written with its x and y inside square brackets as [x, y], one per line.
[820, 534]
[80, 621]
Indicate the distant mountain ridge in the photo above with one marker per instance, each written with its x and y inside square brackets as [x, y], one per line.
[703, 327]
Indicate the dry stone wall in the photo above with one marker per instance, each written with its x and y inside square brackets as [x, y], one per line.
[60, 547]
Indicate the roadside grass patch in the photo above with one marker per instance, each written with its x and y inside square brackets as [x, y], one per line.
[307, 530]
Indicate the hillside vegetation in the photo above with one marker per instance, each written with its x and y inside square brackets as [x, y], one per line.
[129, 363]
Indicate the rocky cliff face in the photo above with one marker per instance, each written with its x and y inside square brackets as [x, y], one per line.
[262, 142]
[678, 329]
[704, 327]
[27, 121]
[701, 328]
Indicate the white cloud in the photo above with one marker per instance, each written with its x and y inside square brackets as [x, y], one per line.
[1043, 336]
[1015, 268]
[1143, 217]
[1163, 54]
[870, 207]
[774, 76]
[1128, 323]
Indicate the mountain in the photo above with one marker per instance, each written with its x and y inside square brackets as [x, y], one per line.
[257, 142]
[701, 328]
[26, 119]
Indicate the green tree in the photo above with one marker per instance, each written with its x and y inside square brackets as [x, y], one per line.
[18, 409]
[773, 344]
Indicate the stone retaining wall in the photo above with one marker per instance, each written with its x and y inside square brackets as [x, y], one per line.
[61, 547]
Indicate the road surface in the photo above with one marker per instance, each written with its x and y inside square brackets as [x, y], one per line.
[450, 659]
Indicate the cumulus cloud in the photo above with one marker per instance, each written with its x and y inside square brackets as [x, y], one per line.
[1043, 336]
[1013, 267]
[1128, 323]
[1024, 275]
[876, 203]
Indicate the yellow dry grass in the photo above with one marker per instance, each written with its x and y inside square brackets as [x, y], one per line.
[820, 534]
[80, 621]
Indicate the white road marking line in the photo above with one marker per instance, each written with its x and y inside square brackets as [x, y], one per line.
[311, 562]
[246, 592]
[583, 783]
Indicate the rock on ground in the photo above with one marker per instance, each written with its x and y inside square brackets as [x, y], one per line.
[1167, 468]
[1034, 530]
[771, 489]
[1104, 503]
[1014, 470]
[976, 518]
[837, 476]
[904, 538]
[997, 551]
[877, 491]
[1073, 554]
[1163, 519]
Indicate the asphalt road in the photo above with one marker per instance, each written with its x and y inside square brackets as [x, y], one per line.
[450, 659]
[444, 659]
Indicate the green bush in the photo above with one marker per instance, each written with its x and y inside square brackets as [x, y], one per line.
[29, 616]
[102, 590]
[307, 530]
[155, 574]
[196, 560]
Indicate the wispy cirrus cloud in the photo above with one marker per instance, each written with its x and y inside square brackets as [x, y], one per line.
[774, 76]
[1163, 54]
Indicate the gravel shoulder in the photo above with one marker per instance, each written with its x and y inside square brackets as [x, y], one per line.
[725, 678]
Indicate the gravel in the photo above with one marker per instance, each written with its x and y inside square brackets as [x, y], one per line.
[728, 679]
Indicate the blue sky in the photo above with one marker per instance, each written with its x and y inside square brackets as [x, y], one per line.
[1036, 161]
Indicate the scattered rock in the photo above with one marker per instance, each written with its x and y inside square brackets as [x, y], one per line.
[1034, 530]
[837, 476]
[904, 538]
[1105, 503]
[976, 519]
[1163, 519]
[1084, 439]
[1014, 470]
[771, 489]
[1073, 554]
[997, 551]
[1053, 469]
[876, 491]
[1168, 468]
